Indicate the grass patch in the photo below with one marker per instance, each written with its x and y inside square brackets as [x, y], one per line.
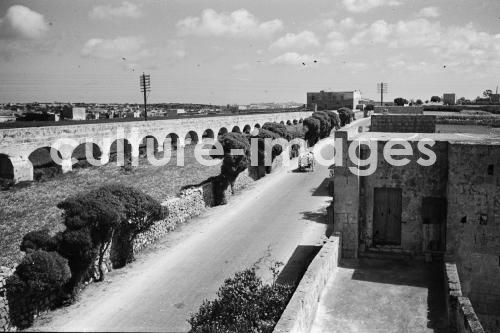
[29, 207]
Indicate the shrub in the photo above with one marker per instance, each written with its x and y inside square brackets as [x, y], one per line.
[325, 123]
[243, 304]
[277, 128]
[78, 248]
[38, 240]
[43, 271]
[140, 212]
[95, 215]
[311, 130]
[346, 116]
[40, 276]
[371, 107]
[93, 218]
[233, 165]
[334, 119]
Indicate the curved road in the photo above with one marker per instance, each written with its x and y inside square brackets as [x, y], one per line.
[264, 223]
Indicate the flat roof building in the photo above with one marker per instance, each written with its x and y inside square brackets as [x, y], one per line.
[333, 100]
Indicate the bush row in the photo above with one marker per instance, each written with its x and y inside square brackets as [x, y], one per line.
[58, 265]
[321, 123]
[234, 164]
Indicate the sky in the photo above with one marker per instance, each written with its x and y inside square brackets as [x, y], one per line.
[234, 51]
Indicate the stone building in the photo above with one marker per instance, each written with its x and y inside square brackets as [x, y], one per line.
[330, 100]
[449, 208]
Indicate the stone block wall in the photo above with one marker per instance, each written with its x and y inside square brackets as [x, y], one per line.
[403, 123]
[473, 225]
[301, 310]
[416, 183]
[461, 315]
[400, 109]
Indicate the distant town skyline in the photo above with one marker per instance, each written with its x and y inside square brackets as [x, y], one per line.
[241, 52]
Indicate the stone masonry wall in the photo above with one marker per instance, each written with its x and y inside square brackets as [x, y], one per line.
[299, 314]
[473, 226]
[403, 123]
[415, 181]
[400, 109]
[461, 315]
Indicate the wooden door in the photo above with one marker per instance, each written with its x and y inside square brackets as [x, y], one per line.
[387, 216]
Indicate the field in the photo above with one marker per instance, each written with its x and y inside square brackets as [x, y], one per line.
[32, 206]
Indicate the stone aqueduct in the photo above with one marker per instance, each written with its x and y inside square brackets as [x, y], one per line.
[18, 145]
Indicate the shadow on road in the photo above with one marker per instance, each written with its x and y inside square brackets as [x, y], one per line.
[297, 264]
[322, 189]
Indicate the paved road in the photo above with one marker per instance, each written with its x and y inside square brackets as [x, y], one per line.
[158, 292]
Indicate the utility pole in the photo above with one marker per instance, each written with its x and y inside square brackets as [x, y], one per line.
[145, 83]
[382, 88]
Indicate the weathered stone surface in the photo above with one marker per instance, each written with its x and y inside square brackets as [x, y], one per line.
[301, 310]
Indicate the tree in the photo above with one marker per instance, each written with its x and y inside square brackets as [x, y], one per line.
[334, 119]
[419, 102]
[346, 115]
[487, 93]
[311, 130]
[435, 99]
[140, 212]
[92, 220]
[234, 164]
[325, 123]
[400, 101]
[277, 128]
[243, 304]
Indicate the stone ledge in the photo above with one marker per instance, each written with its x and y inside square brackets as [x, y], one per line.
[461, 315]
[301, 310]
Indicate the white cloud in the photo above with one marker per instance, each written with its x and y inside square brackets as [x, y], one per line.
[126, 9]
[345, 24]
[301, 40]
[240, 23]
[337, 43]
[20, 22]
[451, 46]
[429, 12]
[126, 48]
[358, 6]
[242, 66]
[293, 58]
[377, 32]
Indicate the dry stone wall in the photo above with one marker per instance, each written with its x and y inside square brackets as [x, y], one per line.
[403, 123]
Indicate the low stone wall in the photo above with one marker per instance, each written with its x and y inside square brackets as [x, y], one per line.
[190, 202]
[301, 310]
[400, 109]
[461, 315]
[459, 119]
[403, 123]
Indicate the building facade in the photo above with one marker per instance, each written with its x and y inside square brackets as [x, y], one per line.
[449, 99]
[333, 100]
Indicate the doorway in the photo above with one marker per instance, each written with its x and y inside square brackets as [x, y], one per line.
[387, 216]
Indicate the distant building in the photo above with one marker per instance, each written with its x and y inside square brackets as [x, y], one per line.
[333, 100]
[74, 113]
[449, 99]
[495, 98]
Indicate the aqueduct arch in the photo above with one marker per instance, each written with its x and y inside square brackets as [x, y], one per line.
[17, 144]
[6, 167]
